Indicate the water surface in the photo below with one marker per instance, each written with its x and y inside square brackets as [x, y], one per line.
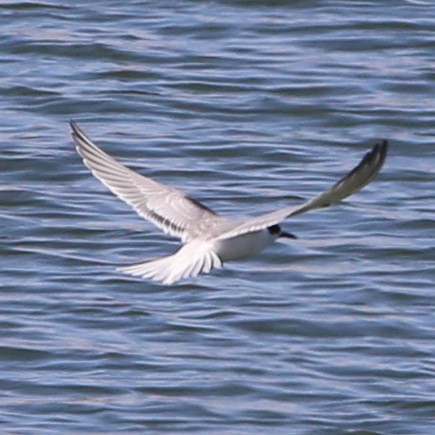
[247, 106]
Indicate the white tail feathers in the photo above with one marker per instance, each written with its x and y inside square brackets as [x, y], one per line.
[189, 261]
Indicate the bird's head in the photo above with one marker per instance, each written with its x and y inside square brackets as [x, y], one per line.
[277, 232]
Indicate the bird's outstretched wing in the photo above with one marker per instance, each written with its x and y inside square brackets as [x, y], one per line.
[168, 208]
[355, 180]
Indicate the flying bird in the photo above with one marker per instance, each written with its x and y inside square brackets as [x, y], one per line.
[209, 239]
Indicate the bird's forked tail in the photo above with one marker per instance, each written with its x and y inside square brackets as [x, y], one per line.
[189, 261]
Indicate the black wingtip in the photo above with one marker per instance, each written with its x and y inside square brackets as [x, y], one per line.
[384, 148]
[383, 145]
[381, 149]
[77, 132]
[378, 152]
[74, 127]
[380, 146]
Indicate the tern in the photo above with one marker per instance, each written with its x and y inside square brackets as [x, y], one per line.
[209, 239]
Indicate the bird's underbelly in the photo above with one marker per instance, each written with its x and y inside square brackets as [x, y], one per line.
[240, 247]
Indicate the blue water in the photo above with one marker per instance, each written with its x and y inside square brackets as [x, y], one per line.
[247, 106]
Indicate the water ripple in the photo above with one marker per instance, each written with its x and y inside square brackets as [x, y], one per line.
[247, 106]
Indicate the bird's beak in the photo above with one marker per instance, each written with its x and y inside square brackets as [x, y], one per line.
[287, 235]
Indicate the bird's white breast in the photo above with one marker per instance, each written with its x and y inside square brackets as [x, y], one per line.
[243, 246]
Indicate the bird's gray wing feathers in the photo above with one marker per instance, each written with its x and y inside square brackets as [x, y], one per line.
[168, 208]
[360, 176]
